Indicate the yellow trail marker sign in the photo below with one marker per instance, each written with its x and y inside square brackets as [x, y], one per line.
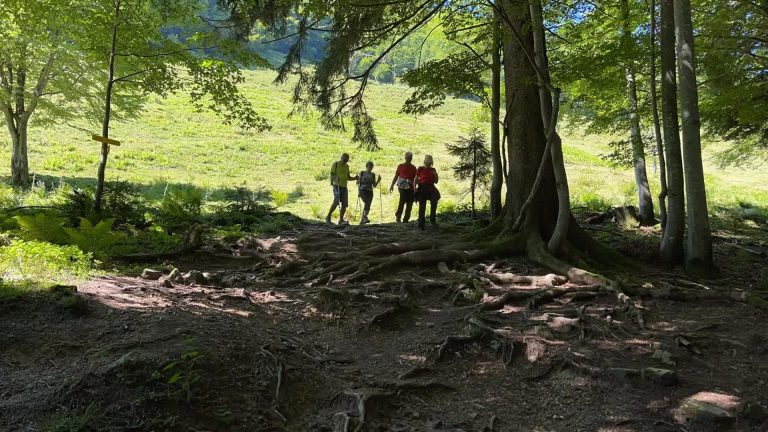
[101, 139]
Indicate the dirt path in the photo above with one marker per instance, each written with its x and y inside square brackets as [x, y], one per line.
[407, 350]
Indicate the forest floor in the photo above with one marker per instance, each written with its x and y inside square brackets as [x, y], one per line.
[254, 347]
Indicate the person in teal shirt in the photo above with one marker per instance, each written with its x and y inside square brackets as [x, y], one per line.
[339, 178]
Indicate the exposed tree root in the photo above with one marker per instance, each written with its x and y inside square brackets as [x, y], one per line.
[452, 342]
[538, 297]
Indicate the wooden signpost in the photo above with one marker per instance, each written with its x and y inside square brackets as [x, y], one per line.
[101, 139]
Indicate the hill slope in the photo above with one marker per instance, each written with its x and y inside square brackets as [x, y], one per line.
[170, 144]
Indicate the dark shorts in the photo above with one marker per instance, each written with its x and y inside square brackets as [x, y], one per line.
[341, 194]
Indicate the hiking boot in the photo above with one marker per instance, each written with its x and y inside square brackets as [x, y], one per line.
[343, 222]
[397, 219]
[328, 220]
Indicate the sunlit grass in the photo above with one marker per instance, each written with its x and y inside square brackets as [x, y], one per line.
[170, 144]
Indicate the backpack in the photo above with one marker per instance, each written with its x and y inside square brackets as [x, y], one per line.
[425, 175]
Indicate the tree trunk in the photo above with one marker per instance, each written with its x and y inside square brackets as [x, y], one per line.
[672, 241]
[699, 256]
[474, 177]
[560, 232]
[526, 141]
[18, 122]
[656, 124]
[107, 114]
[644, 199]
[497, 180]
[19, 159]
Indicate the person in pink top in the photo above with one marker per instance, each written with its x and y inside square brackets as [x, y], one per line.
[404, 179]
[426, 179]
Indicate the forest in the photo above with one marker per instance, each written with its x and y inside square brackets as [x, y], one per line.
[200, 229]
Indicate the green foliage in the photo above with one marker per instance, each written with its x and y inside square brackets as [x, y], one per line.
[99, 239]
[124, 202]
[180, 208]
[315, 211]
[181, 374]
[42, 262]
[43, 227]
[459, 74]
[79, 421]
[474, 161]
[591, 201]
[279, 198]
[243, 207]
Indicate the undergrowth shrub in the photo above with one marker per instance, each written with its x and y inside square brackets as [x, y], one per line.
[242, 207]
[279, 198]
[42, 227]
[69, 421]
[591, 201]
[124, 202]
[38, 261]
[180, 208]
[98, 239]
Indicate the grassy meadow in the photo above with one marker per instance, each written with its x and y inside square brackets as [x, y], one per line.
[171, 145]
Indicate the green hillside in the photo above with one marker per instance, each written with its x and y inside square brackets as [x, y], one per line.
[171, 145]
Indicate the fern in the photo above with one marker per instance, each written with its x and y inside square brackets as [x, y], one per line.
[97, 239]
[42, 227]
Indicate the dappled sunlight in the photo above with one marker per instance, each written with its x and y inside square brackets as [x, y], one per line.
[723, 400]
[413, 358]
[488, 368]
[663, 326]
[121, 293]
[205, 307]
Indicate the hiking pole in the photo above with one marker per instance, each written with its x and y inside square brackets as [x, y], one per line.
[381, 205]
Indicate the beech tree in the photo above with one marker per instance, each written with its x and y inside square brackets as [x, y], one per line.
[140, 61]
[699, 253]
[43, 71]
[671, 248]
[604, 83]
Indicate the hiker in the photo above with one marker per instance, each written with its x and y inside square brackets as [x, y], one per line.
[339, 178]
[426, 178]
[367, 180]
[404, 178]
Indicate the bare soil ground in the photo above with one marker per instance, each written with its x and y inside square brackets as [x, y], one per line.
[260, 347]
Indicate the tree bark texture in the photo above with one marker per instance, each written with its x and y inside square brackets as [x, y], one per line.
[656, 122]
[699, 254]
[497, 179]
[672, 240]
[526, 139]
[549, 120]
[645, 200]
[17, 121]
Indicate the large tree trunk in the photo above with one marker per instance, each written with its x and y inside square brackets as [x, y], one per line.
[672, 241]
[645, 201]
[526, 140]
[560, 232]
[656, 123]
[497, 180]
[107, 114]
[699, 256]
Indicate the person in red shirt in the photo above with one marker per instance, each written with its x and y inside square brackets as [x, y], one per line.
[426, 179]
[404, 178]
